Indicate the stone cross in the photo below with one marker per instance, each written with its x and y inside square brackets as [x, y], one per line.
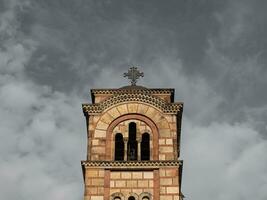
[133, 74]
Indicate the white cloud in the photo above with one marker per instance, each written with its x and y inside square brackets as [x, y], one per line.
[43, 136]
[42, 131]
[223, 161]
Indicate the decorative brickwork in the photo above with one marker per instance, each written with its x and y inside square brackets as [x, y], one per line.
[133, 145]
[134, 97]
[132, 164]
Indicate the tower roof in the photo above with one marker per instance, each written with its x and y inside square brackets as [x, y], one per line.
[133, 89]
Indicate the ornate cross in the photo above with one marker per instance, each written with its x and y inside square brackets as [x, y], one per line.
[133, 74]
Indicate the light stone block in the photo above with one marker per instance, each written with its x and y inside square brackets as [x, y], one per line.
[132, 108]
[100, 190]
[148, 175]
[137, 175]
[120, 183]
[112, 184]
[115, 175]
[163, 124]
[165, 197]
[92, 190]
[106, 118]
[97, 198]
[91, 173]
[166, 181]
[164, 133]
[151, 183]
[123, 109]
[100, 133]
[161, 141]
[126, 175]
[114, 113]
[166, 149]
[142, 109]
[95, 142]
[162, 157]
[151, 112]
[169, 141]
[142, 183]
[98, 150]
[162, 172]
[131, 184]
[101, 125]
[162, 190]
[98, 182]
[171, 172]
[172, 190]
[101, 173]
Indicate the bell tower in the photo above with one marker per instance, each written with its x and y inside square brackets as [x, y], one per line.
[133, 147]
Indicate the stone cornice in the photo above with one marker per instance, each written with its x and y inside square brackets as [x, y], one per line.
[132, 164]
[138, 90]
[171, 108]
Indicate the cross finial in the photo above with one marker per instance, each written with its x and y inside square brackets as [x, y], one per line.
[133, 74]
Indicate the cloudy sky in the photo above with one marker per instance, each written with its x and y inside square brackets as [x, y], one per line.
[213, 52]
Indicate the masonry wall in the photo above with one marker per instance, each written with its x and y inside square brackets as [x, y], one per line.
[127, 182]
[169, 189]
[166, 127]
[161, 183]
[94, 184]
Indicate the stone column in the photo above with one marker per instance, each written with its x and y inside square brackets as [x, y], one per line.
[139, 149]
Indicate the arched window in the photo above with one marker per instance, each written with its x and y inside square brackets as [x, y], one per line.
[145, 147]
[131, 198]
[117, 198]
[119, 147]
[145, 198]
[132, 143]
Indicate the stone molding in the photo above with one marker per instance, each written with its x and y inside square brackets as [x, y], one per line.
[170, 108]
[133, 90]
[132, 164]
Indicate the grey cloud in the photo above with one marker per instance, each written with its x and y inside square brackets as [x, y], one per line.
[211, 52]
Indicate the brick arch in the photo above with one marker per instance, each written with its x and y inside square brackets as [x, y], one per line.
[138, 135]
[117, 194]
[122, 118]
[118, 110]
[145, 194]
[132, 194]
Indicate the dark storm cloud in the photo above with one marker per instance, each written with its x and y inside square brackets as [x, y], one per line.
[212, 52]
[117, 34]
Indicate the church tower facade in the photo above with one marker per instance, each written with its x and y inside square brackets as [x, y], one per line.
[133, 144]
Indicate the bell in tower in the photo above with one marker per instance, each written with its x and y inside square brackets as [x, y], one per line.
[133, 147]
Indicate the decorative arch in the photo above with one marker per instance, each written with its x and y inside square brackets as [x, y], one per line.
[145, 196]
[120, 119]
[132, 195]
[117, 196]
[116, 111]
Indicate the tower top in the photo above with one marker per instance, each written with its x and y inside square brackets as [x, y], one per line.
[133, 74]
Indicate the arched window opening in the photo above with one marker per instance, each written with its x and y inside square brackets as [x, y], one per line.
[117, 198]
[145, 147]
[119, 147]
[132, 143]
[131, 198]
